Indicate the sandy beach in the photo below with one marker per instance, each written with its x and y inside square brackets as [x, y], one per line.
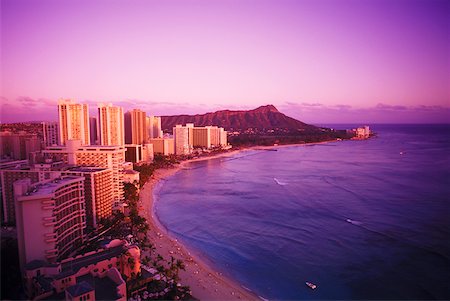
[204, 281]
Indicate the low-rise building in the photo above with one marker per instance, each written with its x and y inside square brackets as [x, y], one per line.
[97, 275]
[164, 146]
[362, 132]
[131, 176]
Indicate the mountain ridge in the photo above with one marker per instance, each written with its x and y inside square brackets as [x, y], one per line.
[264, 117]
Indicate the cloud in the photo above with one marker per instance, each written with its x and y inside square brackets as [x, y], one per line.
[380, 113]
[382, 106]
[28, 101]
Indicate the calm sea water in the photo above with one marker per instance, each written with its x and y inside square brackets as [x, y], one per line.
[361, 219]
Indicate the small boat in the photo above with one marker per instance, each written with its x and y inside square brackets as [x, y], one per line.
[311, 285]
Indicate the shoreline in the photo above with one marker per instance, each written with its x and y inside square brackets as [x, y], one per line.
[205, 282]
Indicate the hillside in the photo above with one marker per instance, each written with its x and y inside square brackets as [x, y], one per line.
[262, 118]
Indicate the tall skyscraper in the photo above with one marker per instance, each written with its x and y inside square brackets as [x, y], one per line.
[93, 130]
[135, 127]
[154, 127]
[182, 136]
[51, 133]
[111, 126]
[73, 122]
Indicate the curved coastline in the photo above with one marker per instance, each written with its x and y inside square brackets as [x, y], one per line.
[205, 282]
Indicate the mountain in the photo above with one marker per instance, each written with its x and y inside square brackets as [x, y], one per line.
[263, 118]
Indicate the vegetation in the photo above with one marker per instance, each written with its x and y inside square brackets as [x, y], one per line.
[289, 137]
[134, 227]
[147, 170]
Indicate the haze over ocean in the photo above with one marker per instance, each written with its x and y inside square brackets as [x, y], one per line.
[361, 219]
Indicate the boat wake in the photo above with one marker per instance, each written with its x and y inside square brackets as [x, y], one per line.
[356, 223]
[279, 182]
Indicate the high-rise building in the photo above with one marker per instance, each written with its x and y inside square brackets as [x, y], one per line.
[14, 145]
[73, 122]
[201, 137]
[135, 127]
[111, 126]
[182, 139]
[97, 192]
[7, 179]
[138, 153]
[50, 218]
[51, 133]
[154, 127]
[93, 130]
[223, 138]
[111, 157]
[189, 137]
[218, 136]
[33, 144]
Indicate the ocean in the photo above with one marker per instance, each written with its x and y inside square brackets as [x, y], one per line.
[363, 219]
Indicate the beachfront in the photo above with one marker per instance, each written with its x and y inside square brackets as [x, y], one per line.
[205, 282]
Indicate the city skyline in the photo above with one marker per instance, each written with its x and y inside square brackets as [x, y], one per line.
[317, 61]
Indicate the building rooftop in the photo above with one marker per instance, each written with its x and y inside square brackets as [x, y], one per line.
[56, 297]
[72, 266]
[105, 288]
[48, 188]
[86, 169]
[129, 171]
[35, 264]
[80, 288]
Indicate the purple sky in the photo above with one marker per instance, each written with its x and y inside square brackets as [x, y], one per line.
[319, 61]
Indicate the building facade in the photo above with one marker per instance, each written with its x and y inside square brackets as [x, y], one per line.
[73, 122]
[51, 218]
[182, 136]
[164, 146]
[154, 127]
[97, 275]
[201, 137]
[135, 127]
[110, 125]
[93, 130]
[7, 179]
[97, 193]
[111, 157]
[51, 133]
[16, 146]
